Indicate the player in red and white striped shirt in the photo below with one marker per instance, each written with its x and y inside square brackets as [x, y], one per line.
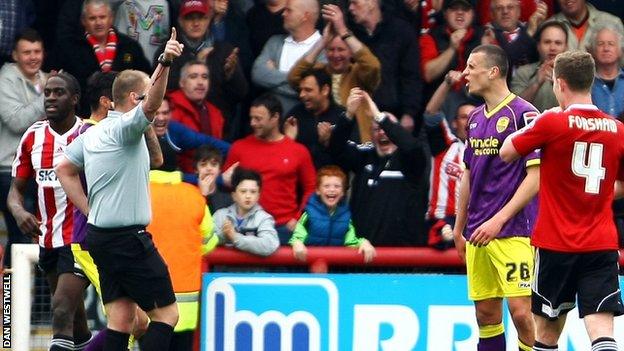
[447, 150]
[38, 153]
[41, 149]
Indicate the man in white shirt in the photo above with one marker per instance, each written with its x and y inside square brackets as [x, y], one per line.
[281, 52]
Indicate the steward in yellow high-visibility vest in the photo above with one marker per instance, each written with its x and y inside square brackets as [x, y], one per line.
[182, 230]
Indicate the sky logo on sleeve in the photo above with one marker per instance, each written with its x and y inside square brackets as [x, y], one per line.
[286, 314]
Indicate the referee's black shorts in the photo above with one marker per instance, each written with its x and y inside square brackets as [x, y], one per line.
[562, 277]
[130, 266]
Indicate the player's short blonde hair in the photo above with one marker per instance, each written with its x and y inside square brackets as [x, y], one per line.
[128, 81]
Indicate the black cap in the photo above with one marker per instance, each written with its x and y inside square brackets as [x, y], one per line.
[448, 4]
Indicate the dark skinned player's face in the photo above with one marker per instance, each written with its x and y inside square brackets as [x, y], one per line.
[59, 102]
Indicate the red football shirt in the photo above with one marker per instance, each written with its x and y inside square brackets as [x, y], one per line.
[582, 149]
[40, 150]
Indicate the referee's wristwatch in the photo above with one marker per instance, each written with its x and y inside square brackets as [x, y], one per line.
[379, 117]
[163, 61]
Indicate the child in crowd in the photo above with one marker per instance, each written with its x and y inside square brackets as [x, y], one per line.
[244, 224]
[208, 161]
[326, 220]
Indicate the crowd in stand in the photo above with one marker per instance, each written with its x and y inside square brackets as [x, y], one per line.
[274, 106]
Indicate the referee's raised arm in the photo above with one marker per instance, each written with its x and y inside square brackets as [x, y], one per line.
[158, 81]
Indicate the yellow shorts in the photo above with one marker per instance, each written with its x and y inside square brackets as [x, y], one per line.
[84, 259]
[503, 268]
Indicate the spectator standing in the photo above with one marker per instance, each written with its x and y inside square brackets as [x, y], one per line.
[264, 20]
[446, 47]
[513, 36]
[281, 52]
[15, 16]
[311, 121]
[21, 105]
[146, 21]
[388, 197]
[175, 137]
[608, 87]
[228, 85]
[447, 145]
[611, 6]
[99, 48]
[527, 8]
[228, 24]
[581, 21]
[285, 166]
[395, 44]
[349, 63]
[245, 225]
[190, 107]
[533, 82]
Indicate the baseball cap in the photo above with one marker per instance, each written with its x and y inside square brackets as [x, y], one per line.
[193, 6]
[448, 4]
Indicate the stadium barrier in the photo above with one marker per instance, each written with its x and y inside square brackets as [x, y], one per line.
[319, 260]
[244, 307]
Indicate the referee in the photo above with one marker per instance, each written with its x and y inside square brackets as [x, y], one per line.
[115, 160]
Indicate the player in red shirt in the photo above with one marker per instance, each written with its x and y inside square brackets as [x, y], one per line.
[41, 149]
[576, 240]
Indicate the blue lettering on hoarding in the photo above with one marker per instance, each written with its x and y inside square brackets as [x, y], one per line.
[363, 312]
[249, 313]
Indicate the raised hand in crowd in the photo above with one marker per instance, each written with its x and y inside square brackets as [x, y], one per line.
[453, 77]
[227, 174]
[457, 36]
[354, 101]
[203, 54]
[545, 72]
[291, 127]
[220, 8]
[333, 14]
[412, 5]
[488, 36]
[230, 63]
[537, 17]
[324, 130]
